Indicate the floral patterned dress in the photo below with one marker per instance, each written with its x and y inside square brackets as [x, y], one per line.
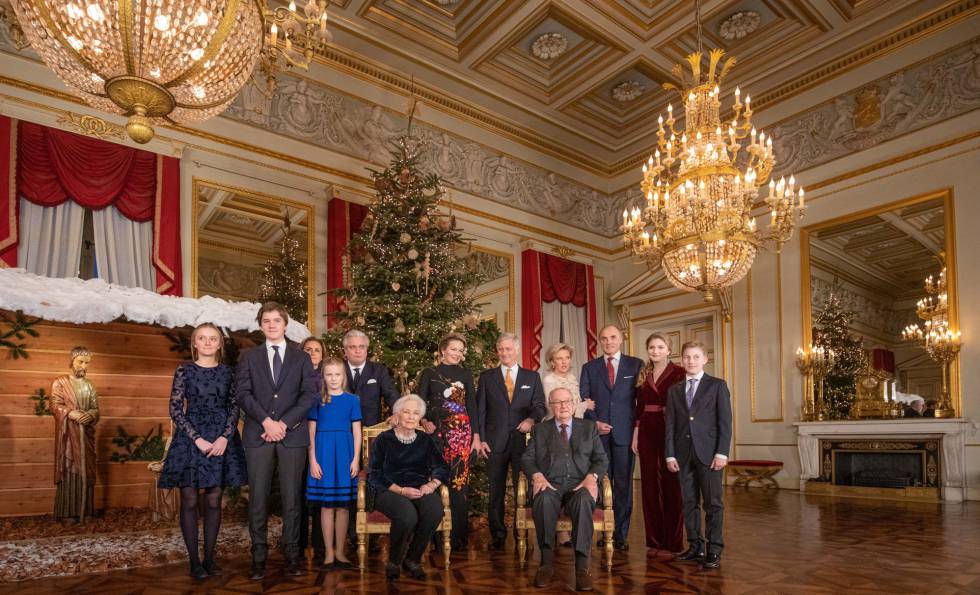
[451, 405]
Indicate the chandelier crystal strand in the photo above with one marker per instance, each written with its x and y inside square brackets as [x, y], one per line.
[701, 184]
[181, 61]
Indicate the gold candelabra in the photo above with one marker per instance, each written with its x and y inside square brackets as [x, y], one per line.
[935, 336]
[815, 363]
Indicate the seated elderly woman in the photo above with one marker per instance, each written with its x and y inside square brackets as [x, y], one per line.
[406, 471]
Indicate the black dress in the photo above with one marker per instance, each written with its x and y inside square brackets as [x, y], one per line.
[212, 411]
[454, 415]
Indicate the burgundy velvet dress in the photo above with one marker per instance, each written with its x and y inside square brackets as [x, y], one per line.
[662, 505]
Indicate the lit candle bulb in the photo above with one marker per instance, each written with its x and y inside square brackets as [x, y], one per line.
[800, 194]
[274, 31]
[660, 122]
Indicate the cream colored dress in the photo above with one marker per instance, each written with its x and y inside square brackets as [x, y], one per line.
[551, 381]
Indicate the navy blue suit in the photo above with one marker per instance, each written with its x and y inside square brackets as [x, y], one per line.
[615, 405]
[374, 383]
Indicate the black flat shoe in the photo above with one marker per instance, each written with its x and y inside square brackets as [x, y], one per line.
[392, 571]
[327, 566]
[257, 572]
[414, 570]
[198, 572]
[690, 555]
[343, 564]
[213, 569]
[566, 543]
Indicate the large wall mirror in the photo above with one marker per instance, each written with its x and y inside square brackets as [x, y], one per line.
[876, 261]
[496, 293]
[236, 232]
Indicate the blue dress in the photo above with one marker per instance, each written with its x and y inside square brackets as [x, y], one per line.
[334, 449]
[212, 411]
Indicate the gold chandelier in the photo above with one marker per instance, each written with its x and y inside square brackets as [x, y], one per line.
[700, 187]
[180, 61]
[937, 337]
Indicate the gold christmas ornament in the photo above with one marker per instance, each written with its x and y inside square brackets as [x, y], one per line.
[399, 327]
[405, 237]
[412, 254]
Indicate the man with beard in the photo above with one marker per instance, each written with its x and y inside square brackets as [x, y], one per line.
[75, 407]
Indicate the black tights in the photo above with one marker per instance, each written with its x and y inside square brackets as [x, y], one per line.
[188, 522]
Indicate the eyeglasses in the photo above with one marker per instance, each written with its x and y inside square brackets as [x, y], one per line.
[566, 403]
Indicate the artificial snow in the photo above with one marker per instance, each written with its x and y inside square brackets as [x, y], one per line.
[95, 301]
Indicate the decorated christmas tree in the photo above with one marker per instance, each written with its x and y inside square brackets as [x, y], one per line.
[831, 331]
[408, 286]
[284, 277]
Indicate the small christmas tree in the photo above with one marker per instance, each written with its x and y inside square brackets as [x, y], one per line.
[408, 286]
[284, 278]
[831, 331]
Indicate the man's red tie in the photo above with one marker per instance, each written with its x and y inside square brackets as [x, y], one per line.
[611, 371]
[564, 432]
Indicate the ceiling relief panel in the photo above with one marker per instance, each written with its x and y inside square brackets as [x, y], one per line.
[645, 18]
[752, 30]
[524, 61]
[451, 29]
[626, 102]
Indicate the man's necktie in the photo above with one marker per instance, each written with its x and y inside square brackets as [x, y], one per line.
[611, 371]
[357, 376]
[564, 432]
[276, 364]
[509, 383]
[690, 391]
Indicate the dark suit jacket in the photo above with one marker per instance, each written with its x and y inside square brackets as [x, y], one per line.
[375, 382]
[498, 418]
[588, 455]
[615, 404]
[707, 426]
[288, 401]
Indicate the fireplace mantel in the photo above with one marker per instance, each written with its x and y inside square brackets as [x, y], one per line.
[953, 433]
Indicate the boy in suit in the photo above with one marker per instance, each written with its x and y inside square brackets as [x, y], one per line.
[510, 400]
[276, 388]
[698, 438]
[610, 381]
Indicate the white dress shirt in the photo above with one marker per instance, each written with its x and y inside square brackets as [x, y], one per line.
[272, 353]
[354, 369]
[616, 357]
[513, 373]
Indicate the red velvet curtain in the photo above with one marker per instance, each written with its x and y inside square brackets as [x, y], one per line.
[344, 219]
[883, 359]
[48, 166]
[548, 278]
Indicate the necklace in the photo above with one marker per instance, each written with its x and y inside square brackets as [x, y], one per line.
[407, 440]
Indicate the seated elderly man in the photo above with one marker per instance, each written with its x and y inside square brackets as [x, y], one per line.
[406, 470]
[565, 461]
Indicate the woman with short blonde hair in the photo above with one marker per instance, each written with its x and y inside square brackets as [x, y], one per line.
[559, 358]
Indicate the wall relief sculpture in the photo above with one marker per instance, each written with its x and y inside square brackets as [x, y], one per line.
[941, 88]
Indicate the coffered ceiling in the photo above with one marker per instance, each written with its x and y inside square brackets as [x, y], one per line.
[890, 253]
[597, 93]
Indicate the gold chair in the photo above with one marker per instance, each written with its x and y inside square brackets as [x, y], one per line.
[376, 523]
[603, 520]
[162, 502]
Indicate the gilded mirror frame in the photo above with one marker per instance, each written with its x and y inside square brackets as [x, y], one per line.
[511, 286]
[946, 195]
[198, 183]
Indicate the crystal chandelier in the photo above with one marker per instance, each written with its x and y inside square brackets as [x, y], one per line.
[700, 186]
[938, 339]
[180, 61]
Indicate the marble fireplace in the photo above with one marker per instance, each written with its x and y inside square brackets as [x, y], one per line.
[919, 459]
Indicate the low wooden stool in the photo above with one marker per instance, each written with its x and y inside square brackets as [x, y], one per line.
[747, 471]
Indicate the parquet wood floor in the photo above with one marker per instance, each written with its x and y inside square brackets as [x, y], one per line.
[776, 542]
